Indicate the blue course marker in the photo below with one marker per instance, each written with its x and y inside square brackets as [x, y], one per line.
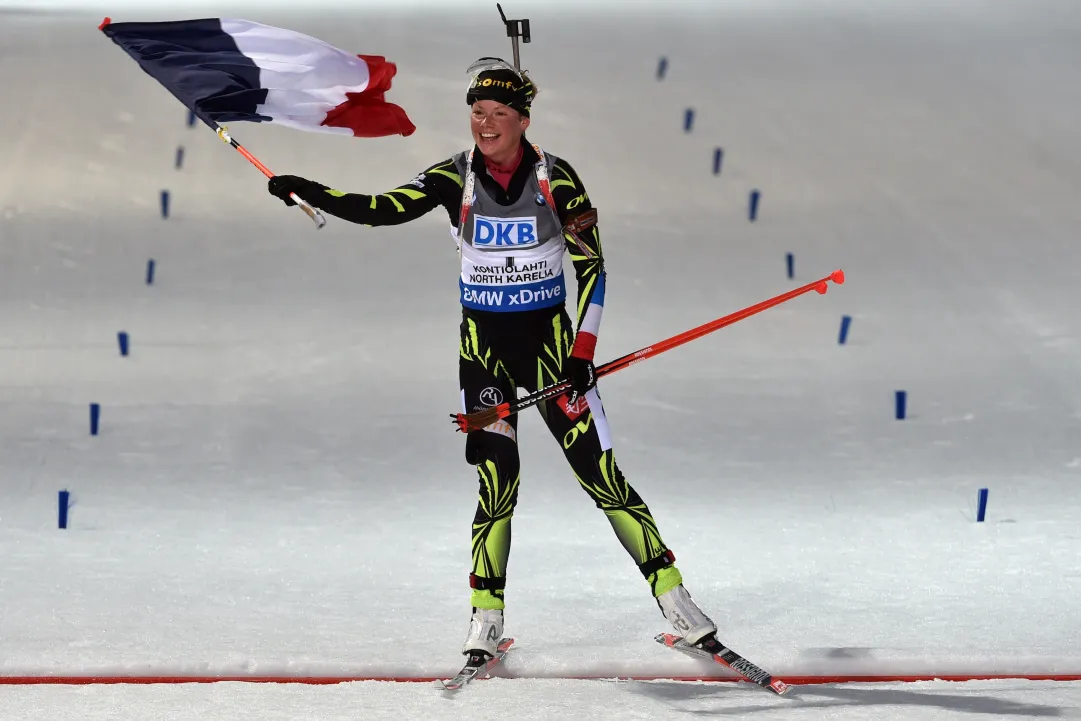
[662, 68]
[688, 120]
[179, 157]
[846, 321]
[790, 263]
[191, 118]
[900, 402]
[752, 205]
[122, 340]
[95, 416]
[165, 204]
[64, 504]
[981, 505]
[718, 158]
[150, 272]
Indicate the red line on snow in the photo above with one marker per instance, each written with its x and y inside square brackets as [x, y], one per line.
[327, 680]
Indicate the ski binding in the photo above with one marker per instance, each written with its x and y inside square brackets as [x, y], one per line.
[719, 653]
[473, 670]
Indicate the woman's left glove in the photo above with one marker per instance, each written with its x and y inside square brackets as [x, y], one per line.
[583, 377]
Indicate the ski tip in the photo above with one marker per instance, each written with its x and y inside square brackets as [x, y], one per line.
[838, 276]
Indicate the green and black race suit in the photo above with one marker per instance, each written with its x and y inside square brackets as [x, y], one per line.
[504, 349]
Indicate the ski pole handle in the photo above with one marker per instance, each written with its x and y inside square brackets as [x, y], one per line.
[311, 212]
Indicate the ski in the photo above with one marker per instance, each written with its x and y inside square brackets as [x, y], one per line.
[476, 670]
[726, 657]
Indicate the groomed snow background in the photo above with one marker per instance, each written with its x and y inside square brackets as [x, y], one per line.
[277, 490]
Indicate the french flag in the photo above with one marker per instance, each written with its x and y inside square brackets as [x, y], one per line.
[585, 344]
[585, 341]
[228, 70]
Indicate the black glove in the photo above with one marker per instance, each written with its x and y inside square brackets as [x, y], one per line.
[583, 377]
[280, 186]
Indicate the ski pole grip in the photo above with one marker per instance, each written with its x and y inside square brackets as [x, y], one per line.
[312, 213]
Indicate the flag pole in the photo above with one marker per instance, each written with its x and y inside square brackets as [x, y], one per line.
[315, 215]
[223, 133]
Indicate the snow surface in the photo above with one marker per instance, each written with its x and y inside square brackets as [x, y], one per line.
[277, 488]
[550, 699]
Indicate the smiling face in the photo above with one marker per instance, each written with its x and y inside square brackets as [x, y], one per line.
[497, 130]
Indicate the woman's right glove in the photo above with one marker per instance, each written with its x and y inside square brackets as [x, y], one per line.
[280, 186]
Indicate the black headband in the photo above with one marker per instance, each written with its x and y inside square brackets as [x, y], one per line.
[502, 85]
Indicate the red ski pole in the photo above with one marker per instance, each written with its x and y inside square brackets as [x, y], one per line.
[475, 421]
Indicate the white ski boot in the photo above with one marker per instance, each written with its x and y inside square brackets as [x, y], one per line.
[685, 616]
[485, 631]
